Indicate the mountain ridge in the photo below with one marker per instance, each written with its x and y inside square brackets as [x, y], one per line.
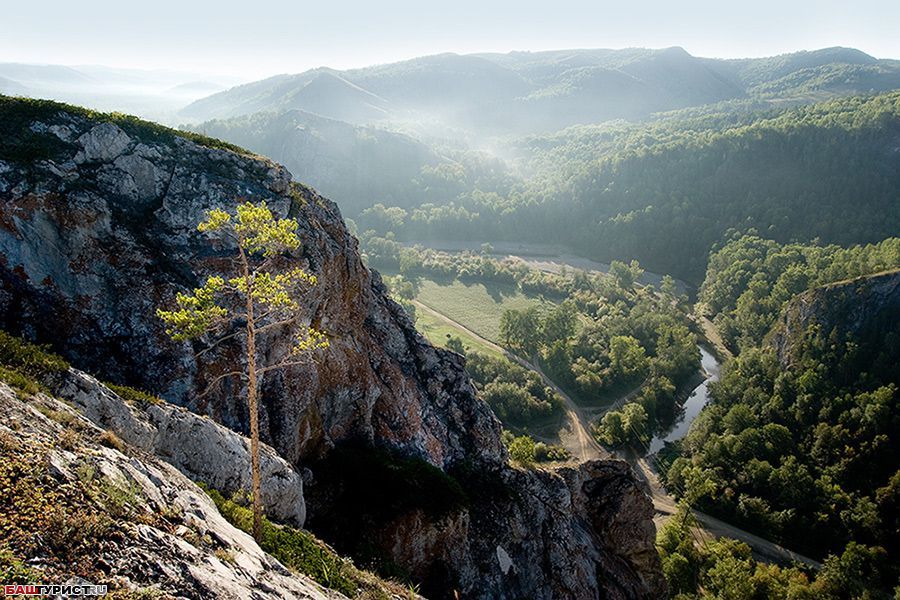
[454, 85]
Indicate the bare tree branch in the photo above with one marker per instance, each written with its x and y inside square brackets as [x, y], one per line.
[268, 314]
[216, 343]
[282, 365]
[287, 321]
[218, 379]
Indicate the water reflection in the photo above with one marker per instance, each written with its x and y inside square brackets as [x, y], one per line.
[692, 406]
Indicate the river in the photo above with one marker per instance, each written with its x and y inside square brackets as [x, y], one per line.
[553, 259]
[692, 406]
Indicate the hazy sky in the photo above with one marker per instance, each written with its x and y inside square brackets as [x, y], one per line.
[259, 38]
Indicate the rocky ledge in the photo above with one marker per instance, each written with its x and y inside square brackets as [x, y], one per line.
[201, 449]
[96, 510]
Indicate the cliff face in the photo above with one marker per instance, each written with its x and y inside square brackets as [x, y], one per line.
[101, 232]
[864, 311]
[98, 220]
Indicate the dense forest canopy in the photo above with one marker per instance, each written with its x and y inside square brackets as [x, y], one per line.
[800, 441]
[750, 279]
[666, 193]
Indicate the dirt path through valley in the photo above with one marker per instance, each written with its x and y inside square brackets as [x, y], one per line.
[575, 436]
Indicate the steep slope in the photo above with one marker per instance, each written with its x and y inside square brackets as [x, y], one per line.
[322, 91]
[830, 80]
[112, 514]
[98, 221]
[620, 84]
[750, 279]
[589, 95]
[354, 166]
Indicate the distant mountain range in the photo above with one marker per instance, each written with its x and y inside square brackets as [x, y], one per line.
[527, 92]
[156, 94]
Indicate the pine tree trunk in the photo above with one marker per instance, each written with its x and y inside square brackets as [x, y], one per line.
[254, 410]
[254, 434]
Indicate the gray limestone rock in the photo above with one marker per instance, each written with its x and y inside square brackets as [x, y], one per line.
[204, 557]
[198, 447]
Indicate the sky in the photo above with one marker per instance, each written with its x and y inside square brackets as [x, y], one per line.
[253, 39]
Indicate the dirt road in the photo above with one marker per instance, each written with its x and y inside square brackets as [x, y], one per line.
[710, 526]
[587, 448]
[583, 446]
[712, 336]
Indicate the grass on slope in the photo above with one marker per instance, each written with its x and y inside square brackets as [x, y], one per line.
[301, 551]
[16, 115]
[475, 305]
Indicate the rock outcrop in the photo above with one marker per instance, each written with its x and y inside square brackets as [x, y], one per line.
[161, 534]
[863, 310]
[98, 223]
[201, 449]
[556, 531]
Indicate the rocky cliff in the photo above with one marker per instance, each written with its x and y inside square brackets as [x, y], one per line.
[98, 218]
[859, 316]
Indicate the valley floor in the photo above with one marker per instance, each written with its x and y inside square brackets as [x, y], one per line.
[573, 431]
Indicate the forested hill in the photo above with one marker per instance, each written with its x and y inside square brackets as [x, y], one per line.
[523, 92]
[830, 171]
[666, 193]
[800, 441]
[750, 279]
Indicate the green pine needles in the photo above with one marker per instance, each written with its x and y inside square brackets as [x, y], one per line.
[262, 289]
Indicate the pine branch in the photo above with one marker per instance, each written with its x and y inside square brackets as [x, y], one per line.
[216, 343]
[218, 379]
[282, 365]
[280, 323]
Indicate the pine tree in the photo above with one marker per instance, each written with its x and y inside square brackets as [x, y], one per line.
[258, 294]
